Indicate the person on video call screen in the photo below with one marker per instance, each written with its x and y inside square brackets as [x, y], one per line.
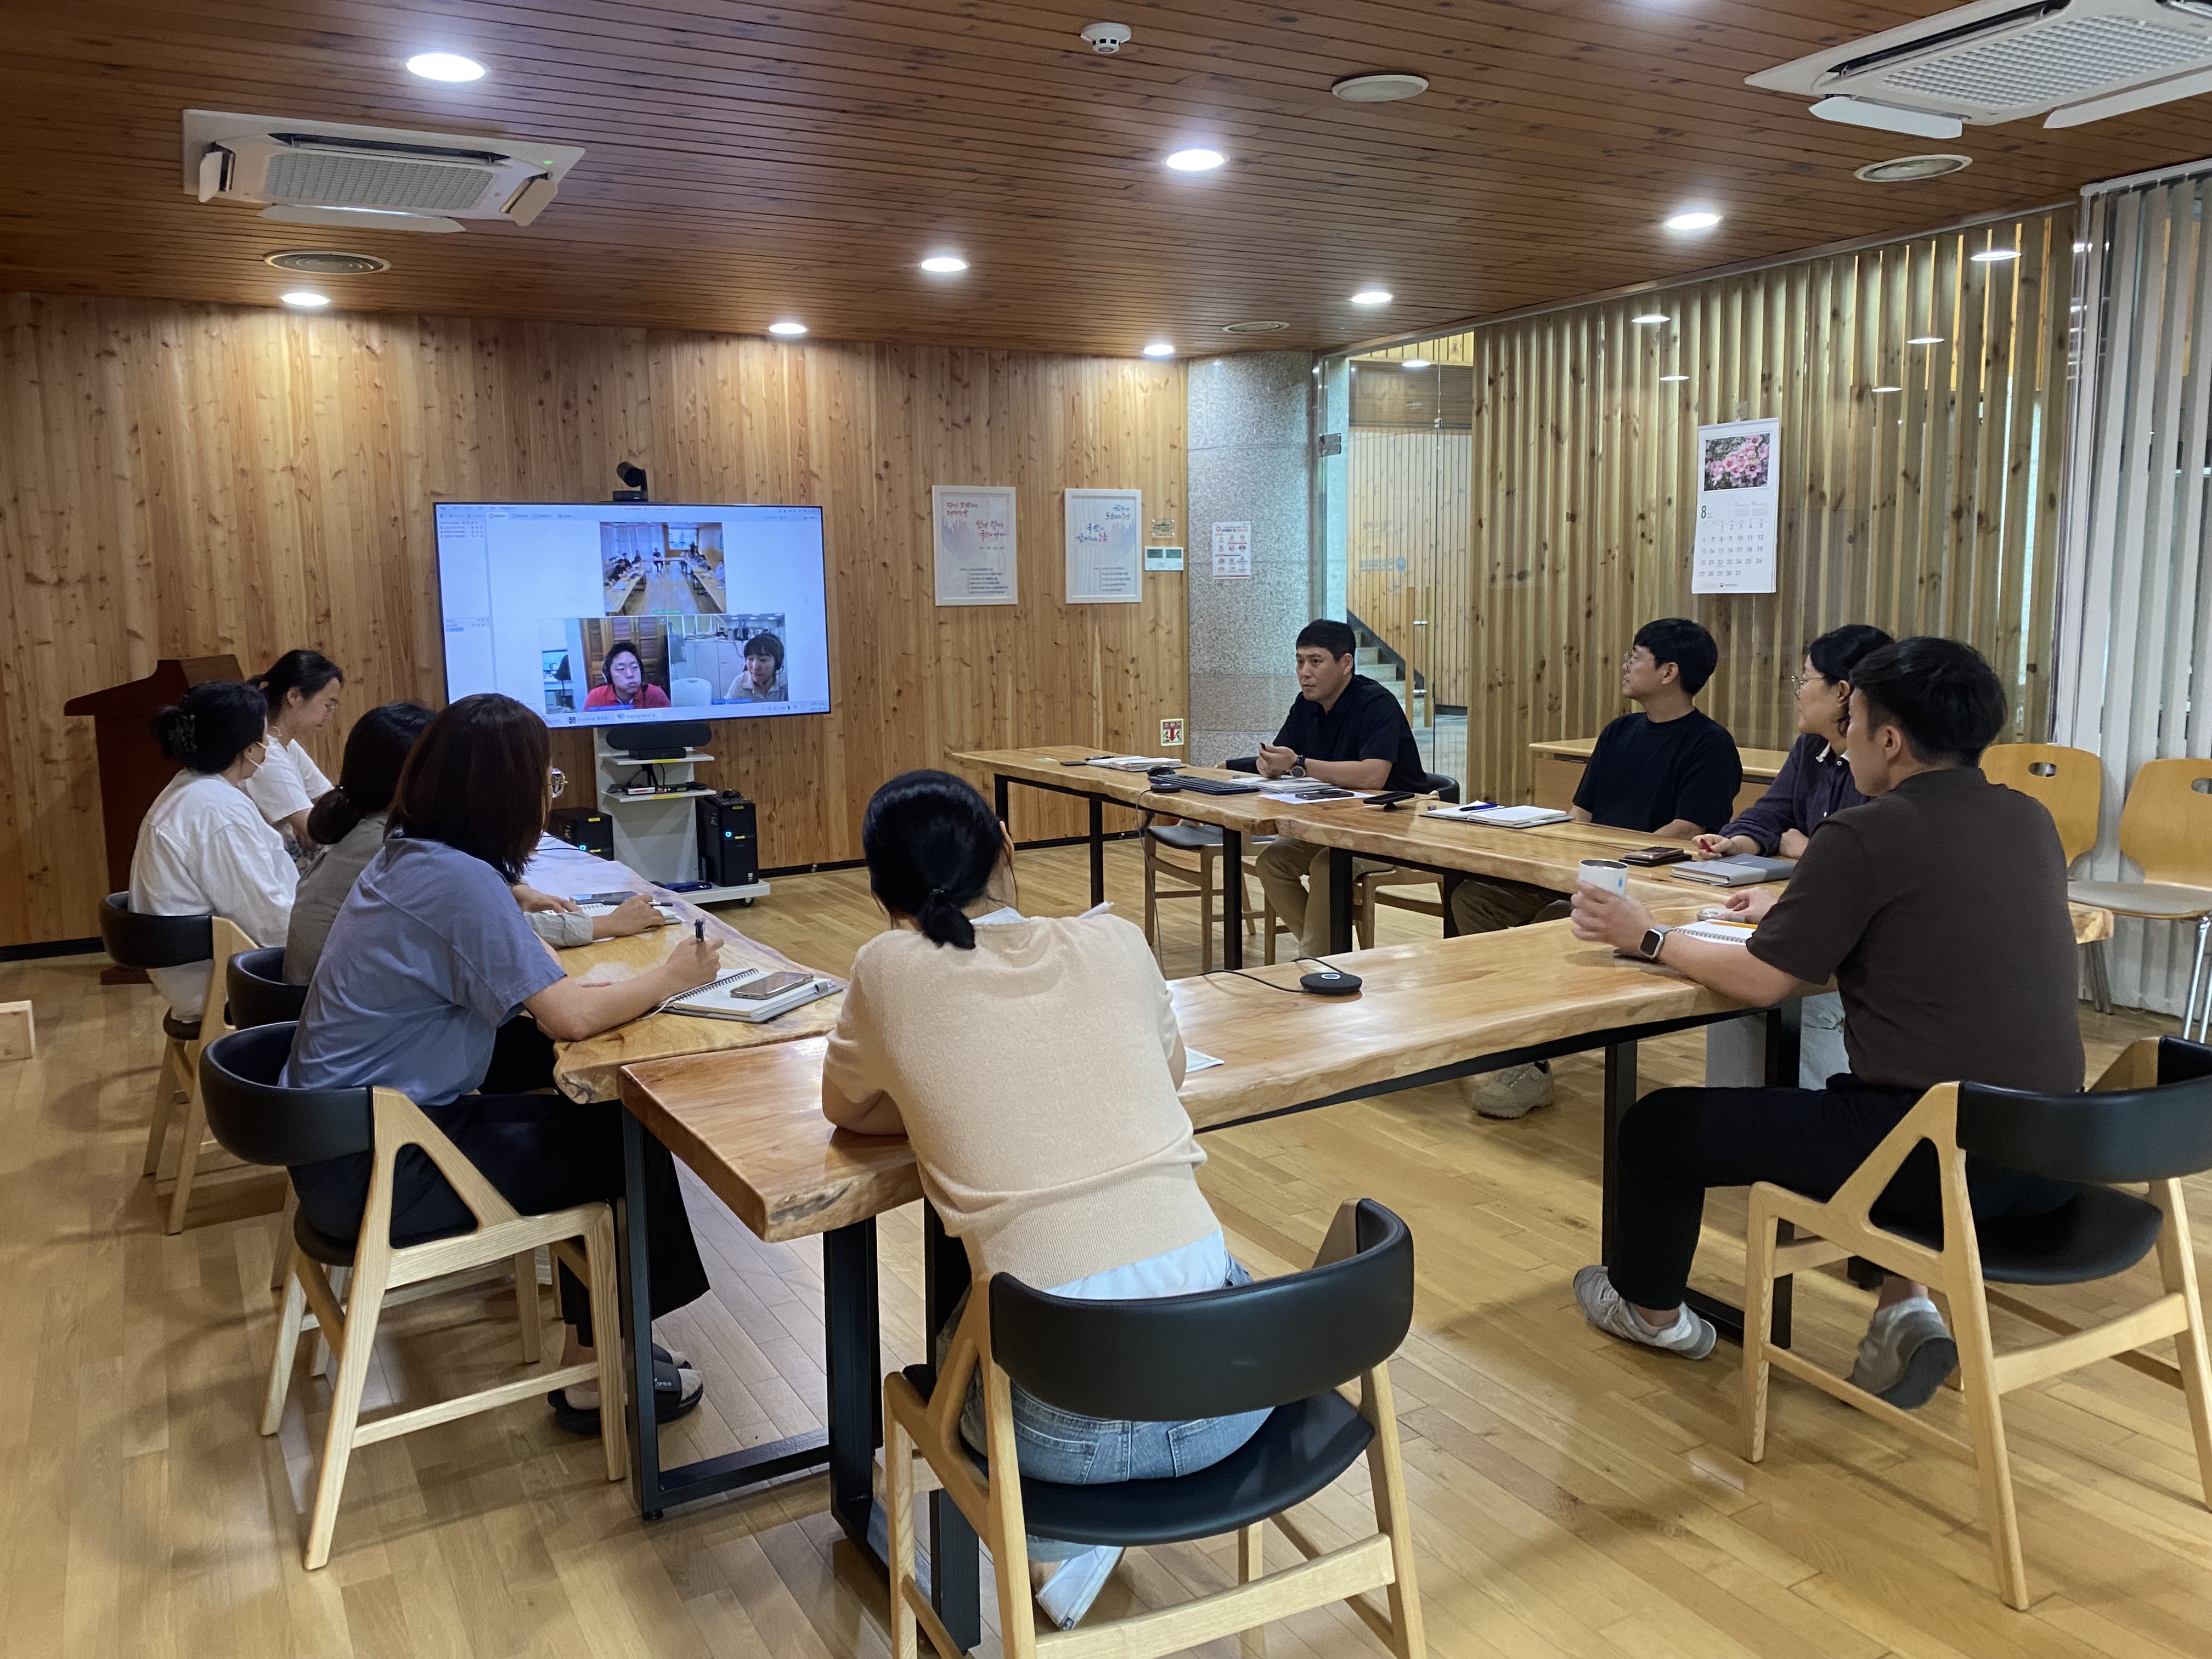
[762, 679]
[626, 686]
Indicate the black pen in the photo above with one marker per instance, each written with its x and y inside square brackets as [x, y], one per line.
[699, 932]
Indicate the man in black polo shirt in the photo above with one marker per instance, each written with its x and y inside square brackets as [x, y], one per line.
[1346, 730]
[1939, 907]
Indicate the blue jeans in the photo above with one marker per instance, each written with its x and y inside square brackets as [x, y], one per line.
[1073, 1450]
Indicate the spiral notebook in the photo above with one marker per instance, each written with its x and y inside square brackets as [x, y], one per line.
[737, 996]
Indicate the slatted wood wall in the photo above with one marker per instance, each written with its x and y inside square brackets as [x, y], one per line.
[1930, 509]
[181, 479]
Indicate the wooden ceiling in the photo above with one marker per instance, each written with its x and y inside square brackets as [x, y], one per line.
[745, 162]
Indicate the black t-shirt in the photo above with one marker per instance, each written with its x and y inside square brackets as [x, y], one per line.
[1367, 723]
[1940, 909]
[1645, 774]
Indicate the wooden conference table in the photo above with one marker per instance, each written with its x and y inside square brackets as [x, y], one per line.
[751, 1125]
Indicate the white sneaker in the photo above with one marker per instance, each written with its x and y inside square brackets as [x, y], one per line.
[1690, 1335]
[1068, 1594]
[1516, 1092]
[1906, 1354]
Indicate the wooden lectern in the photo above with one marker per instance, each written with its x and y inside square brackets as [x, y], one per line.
[132, 769]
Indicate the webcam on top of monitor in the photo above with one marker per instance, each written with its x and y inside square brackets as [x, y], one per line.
[633, 476]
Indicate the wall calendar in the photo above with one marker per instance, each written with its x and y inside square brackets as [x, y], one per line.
[1739, 496]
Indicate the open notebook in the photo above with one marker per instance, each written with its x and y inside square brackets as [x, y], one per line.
[1500, 817]
[751, 994]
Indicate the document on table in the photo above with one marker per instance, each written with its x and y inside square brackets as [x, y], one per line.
[1500, 817]
[1192, 1060]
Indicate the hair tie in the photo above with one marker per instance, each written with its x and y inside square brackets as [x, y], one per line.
[937, 892]
[188, 731]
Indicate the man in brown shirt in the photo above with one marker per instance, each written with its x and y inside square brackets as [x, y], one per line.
[1939, 907]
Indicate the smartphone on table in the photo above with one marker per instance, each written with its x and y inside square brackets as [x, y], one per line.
[1388, 799]
[774, 985]
[1648, 856]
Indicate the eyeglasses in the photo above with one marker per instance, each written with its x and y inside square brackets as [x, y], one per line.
[1799, 682]
[560, 782]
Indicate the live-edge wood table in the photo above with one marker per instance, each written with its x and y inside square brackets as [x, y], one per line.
[750, 1125]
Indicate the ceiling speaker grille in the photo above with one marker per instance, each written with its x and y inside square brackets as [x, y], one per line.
[327, 261]
[1253, 328]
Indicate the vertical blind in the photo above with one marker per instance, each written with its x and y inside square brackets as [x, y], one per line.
[2135, 626]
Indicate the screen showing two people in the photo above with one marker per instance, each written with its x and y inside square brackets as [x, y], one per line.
[600, 615]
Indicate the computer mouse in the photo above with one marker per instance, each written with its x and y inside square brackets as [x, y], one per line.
[1330, 984]
[1167, 785]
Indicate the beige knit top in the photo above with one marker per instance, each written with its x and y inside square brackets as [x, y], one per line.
[1036, 1076]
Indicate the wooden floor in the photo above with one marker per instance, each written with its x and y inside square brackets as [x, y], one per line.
[1573, 1497]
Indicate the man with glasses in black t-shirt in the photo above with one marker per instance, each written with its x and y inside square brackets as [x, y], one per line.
[1344, 730]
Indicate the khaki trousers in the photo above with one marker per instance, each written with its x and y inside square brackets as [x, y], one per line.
[1295, 876]
[1486, 904]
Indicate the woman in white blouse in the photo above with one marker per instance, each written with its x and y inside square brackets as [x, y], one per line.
[303, 689]
[203, 846]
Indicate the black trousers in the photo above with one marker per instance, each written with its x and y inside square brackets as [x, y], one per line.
[542, 1153]
[1676, 1143]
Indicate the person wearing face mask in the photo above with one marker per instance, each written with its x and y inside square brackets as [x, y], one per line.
[301, 689]
[627, 686]
[1814, 782]
[204, 847]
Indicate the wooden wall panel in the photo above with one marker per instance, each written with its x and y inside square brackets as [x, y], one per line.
[1932, 509]
[180, 479]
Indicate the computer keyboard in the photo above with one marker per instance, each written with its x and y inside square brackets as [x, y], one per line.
[1218, 785]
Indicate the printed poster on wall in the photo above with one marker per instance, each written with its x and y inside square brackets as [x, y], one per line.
[1739, 501]
[1105, 553]
[1233, 550]
[973, 527]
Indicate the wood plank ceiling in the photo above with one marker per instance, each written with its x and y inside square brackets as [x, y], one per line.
[746, 162]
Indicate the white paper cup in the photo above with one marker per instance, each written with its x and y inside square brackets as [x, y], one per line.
[1608, 873]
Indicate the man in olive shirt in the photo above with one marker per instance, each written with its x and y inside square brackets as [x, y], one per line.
[1939, 907]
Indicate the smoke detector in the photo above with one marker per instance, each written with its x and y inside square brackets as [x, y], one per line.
[1379, 89]
[1906, 169]
[1107, 38]
[1253, 328]
[326, 262]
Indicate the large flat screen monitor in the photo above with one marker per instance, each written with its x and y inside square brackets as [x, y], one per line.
[604, 615]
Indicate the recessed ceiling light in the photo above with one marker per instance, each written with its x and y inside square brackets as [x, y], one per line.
[790, 329]
[1693, 219]
[1160, 349]
[1990, 256]
[1925, 339]
[1379, 89]
[1670, 379]
[943, 264]
[305, 299]
[1650, 317]
[1415, 362]
[444, 66]
[1196, 161]
[1906, 169]
[1889, 388]
[1371, 296]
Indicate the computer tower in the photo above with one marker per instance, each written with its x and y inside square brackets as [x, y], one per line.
[729, 839]
[579, 826]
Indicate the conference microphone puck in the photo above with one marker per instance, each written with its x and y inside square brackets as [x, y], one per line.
[1330, 984]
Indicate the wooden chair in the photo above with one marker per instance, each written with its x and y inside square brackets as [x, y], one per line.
[257, 994]
[2151, 1122]
[2166, 827]
[1386, 887]
[262, 1121]
[2070, 784]
[1286, 1344]
[1193, 851]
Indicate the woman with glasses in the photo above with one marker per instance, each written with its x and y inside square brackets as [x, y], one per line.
[1814, 784]
[204, 846]
[427, 960]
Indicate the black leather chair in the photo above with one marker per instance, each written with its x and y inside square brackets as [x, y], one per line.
[256, 1117]
[259, 993]
[1281, 1344]
[2147, 1121]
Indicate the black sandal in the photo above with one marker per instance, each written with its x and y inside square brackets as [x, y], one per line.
[669, 1398]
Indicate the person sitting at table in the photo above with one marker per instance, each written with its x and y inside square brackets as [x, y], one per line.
[1033, 1064]
[1346, 730]
[626, 685]
[1814, 782]
[204, 847]
[347, 825]
[302, 690]
[1668, 769]
[762, 679]
[1939, 907]
[428, 958]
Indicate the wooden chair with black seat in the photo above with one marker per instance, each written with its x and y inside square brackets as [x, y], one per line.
[259, 994]
[2148, 1119]
[2166, 827]
[1285, 1344]
[133, 940]
[2070, 784]
[1386, 887]
[255, 1116]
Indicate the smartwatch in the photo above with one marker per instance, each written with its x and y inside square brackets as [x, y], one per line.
[1648, 946]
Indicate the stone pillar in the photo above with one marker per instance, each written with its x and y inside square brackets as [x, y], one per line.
[1250, 446]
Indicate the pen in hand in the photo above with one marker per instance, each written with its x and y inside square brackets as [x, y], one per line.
[699, 932]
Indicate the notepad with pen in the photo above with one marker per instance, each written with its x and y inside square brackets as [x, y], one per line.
[1500, 817]
[750, 994]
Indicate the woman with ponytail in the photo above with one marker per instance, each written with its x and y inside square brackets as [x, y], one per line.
[302, 691]
[203, 847]
[1033, 1064]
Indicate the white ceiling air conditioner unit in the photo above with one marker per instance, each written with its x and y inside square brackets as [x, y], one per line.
[2070, 61]
[324, 172]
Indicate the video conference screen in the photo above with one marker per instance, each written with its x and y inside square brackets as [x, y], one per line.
[604, 614]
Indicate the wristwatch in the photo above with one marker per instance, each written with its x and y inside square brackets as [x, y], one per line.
[1648, 946]
[1299, 766]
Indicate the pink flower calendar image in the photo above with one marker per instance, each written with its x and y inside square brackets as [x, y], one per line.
[1745, 461]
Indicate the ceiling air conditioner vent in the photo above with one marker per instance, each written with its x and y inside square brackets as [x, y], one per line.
[1998, 60]
[379, 177]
